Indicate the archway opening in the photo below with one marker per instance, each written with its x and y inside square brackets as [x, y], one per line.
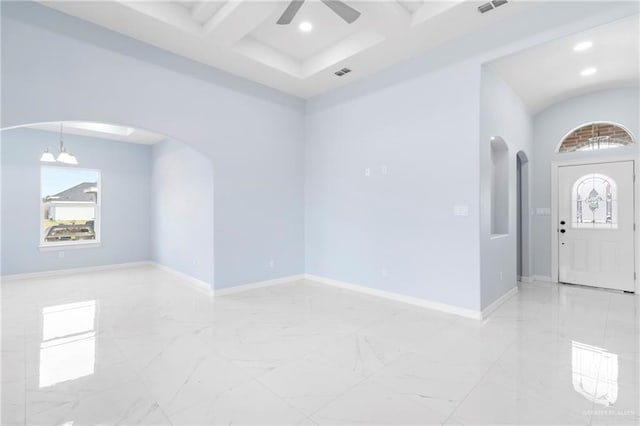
[522, 216]
[87, 194]
[499, 186]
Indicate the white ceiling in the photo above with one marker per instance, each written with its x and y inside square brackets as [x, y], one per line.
[549, 73]
[242, 37]
[102, 131]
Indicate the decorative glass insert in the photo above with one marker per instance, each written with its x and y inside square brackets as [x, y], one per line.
[594, 201]
[595, 136]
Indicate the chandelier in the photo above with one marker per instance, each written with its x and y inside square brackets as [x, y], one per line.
[63, 156]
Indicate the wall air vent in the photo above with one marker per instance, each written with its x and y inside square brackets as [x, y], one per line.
[486, 7]
[342, 72]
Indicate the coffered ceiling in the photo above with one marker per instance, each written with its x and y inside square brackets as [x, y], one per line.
[242, 37]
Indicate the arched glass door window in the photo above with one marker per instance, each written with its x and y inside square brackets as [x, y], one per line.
[595, 136]
[594, 202]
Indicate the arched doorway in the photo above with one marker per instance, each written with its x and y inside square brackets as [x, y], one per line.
[522, 217]
[89, 194]
[594, 200]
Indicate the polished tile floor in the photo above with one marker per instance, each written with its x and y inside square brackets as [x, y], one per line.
[139, 346]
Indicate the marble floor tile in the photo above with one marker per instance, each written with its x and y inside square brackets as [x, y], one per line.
[141, 346]
[247, 404]
[373, 402]
[310, 383]
[128, 404]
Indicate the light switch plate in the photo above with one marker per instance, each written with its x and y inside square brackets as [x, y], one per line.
[461, 210]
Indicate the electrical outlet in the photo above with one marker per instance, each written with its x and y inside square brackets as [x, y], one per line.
[367, 172]
[272, 263]
[384, 170]
[385, 272]
[500, 275]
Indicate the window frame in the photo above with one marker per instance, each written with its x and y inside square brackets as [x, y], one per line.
[97, 242]
[632, 137]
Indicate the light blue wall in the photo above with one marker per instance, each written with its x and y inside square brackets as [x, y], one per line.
[125, 171]
[396, 231]
[182, 210]
[502, 115]
[550, 126]
[420, 118]
[56, 67]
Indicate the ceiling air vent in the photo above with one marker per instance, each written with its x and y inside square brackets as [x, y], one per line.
[342, 72]
[484, 8]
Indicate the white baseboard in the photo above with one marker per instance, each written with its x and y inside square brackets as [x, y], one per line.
[442, 307]
[259, 284]
[206, 289]
[525, 279]
[499, 301]
[195, 283]
[543, 278]
[73, 271]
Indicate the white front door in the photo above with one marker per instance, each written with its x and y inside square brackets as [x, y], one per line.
[596, 221]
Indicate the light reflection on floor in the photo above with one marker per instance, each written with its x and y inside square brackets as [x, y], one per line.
[595, 373]
[68, 345]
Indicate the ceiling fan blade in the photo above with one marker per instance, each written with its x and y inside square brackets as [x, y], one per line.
[343, 10]
[290, 12]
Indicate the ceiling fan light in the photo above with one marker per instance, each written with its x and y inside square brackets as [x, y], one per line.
[343, 10]
[305, 27]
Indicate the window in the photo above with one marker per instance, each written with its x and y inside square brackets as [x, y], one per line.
[594, 202]
[70, 206]
[595, 136]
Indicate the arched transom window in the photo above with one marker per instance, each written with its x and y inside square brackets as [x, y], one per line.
[596, 136]
[594, 202]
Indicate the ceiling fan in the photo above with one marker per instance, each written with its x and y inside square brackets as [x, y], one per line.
[341, 9]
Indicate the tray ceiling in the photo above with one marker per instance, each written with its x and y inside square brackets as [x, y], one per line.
[242, 37]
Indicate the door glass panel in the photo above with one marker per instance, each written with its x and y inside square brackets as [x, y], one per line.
[594, 202]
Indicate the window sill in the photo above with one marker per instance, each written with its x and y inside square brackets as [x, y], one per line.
[497, 236]
[69, 246]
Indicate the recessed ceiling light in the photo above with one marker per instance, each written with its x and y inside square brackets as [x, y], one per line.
[582, 46]
[305, 26]
[588, 71]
